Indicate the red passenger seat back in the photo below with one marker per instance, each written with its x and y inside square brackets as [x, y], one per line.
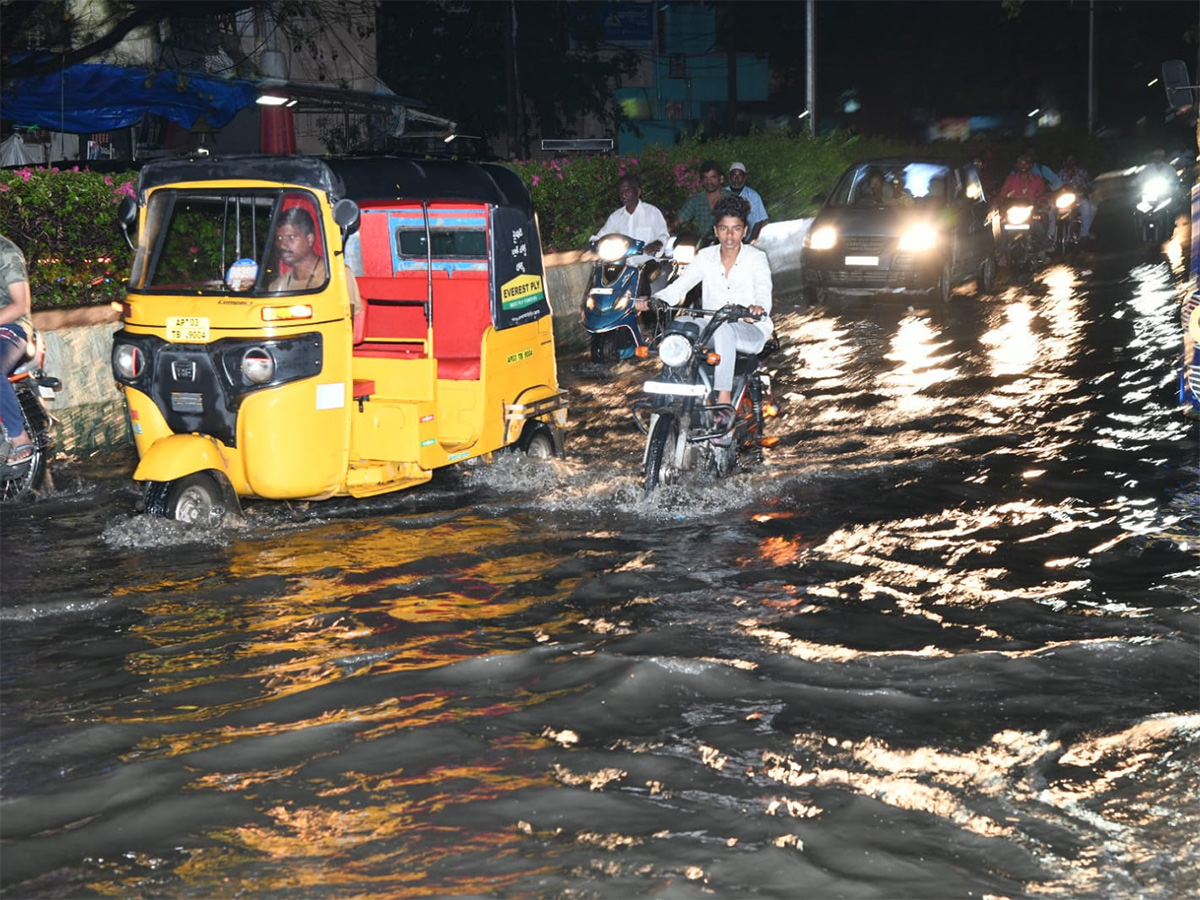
[461, 315]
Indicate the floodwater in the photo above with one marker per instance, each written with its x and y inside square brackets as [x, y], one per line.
[943, 643]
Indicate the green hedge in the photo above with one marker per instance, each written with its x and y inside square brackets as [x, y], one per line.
[65, 219]
[65, 222]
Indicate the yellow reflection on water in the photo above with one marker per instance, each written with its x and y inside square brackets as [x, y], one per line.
[917, 349]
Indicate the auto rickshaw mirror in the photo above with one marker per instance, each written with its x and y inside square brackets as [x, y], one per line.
[1180, 93]
[345, 214]
[127, 217]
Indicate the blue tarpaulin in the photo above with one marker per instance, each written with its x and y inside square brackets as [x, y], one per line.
[88, 98]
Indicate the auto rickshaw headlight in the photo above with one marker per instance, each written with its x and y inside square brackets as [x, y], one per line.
[918, 238]
[258, 365]
[1064, 200]
[129, 361]
[675, 350]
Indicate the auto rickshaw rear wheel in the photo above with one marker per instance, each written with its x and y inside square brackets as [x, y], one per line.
[537, 441]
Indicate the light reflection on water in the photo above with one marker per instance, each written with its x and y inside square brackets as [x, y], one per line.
[937, 645]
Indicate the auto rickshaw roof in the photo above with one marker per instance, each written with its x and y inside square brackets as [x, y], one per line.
[362, 179]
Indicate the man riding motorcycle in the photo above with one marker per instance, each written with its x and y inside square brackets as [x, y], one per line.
[1075, 177]
[1024, 184]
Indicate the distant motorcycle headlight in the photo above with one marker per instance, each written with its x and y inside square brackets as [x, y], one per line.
[918, 238]
[128, 361]
[674, 350]
[258, 365]
[1065, 200]
[683, 254]
[1018, 215]
[613, 247]
[823, 238]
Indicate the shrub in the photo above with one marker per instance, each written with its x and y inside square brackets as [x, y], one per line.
[65, 223]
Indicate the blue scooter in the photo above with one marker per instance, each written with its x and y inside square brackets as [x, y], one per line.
[622, 274]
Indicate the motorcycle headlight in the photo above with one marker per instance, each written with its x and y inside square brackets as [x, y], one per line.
[612, 248]
[683, 254]
[1018, 215]
[258, 365]
[674, 350]
[918, 238]
[1154, 189]
[1065, 200]
[824, 238]
[129, 361]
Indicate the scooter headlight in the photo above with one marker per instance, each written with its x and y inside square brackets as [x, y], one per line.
[918, 238]
[129, 361]
[1065, 200]
[683, 254]
[823, 238]
[258, 365]
[674, 350]
[613, 247]
[1018, 215]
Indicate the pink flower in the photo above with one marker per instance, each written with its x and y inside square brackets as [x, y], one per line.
[534, 181]
[4, 188]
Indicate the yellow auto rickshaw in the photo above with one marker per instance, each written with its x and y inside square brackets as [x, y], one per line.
[304, 328]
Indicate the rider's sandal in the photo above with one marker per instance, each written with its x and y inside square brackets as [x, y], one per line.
[20, 454]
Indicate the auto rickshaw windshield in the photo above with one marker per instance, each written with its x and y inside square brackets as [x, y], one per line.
[220, 242]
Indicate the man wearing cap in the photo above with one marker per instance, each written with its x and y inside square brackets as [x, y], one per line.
[758, 210]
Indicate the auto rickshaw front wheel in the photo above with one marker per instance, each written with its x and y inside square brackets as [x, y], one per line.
[202, 498]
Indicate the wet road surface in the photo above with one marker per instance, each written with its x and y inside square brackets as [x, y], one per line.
[942, 643]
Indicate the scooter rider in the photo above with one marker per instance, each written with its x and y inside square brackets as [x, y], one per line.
[639, 220]
[731, 272]
[1075, 177]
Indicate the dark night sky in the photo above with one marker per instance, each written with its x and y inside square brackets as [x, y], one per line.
[967, 57]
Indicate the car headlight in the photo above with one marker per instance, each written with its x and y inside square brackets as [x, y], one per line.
[613, 247]
[1065, 200]
[824, 238]
[1018, 215]
[258, 365]
[129, 361]
[674, 350]
[918, 238]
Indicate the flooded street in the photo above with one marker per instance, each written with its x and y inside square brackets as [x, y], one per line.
[942, 643]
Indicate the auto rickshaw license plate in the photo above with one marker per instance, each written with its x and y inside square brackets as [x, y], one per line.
[187, 329]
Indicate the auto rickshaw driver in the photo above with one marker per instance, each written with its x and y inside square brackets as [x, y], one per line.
[296, 236]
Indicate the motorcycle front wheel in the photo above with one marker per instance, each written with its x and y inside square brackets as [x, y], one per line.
[19, 483]
[663, 452]
[606, 348]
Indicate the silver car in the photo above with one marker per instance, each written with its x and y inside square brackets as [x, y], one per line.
[901, 225]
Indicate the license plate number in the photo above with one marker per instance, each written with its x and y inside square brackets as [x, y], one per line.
[862, 260]
[187, 329]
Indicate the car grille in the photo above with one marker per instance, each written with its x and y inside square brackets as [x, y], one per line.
[862, 243]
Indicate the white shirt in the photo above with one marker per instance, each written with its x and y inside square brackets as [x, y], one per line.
[645, 223]
[748, 282]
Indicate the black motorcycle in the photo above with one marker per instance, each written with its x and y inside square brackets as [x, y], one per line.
[1020, 249]
[21, 481]
[1069, 224]
[1159, 201]
[684, 431]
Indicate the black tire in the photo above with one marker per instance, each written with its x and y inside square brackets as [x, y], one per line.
[945, 287]
[20, 483]
[985, 281]
[537, 441]
[605, 348]
[662, 450]
[196, 499]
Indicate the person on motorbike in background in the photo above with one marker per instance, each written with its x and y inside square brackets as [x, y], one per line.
[641, 221]
[1053, 183]
[1023, 184]
[1075, 177]
[758, 209]
[698, 208]
[15, 329]
[730, 272]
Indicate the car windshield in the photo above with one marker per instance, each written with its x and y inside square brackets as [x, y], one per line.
[893, 183]
[221, 242]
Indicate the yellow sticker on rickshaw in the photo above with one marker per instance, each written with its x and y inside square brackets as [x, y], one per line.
[522, 291]
[187, 329]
